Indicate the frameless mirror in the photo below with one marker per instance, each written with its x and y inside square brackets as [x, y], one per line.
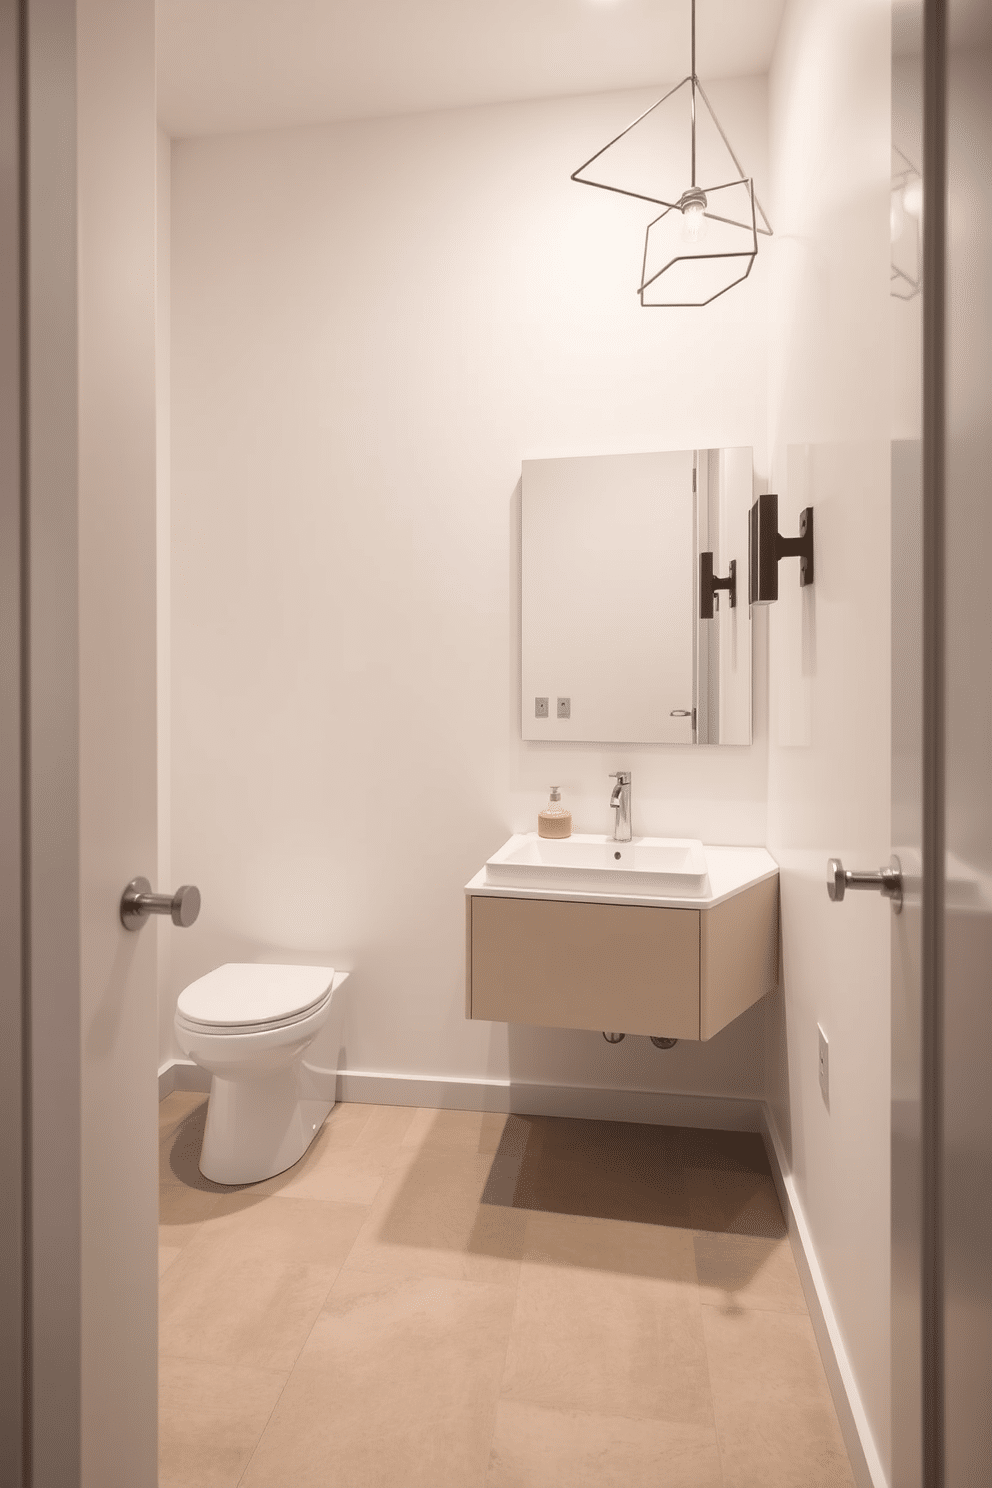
[635, 626]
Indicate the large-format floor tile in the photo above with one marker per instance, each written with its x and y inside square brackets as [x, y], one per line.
[749, 1205]
[538, 1448]
[210, 1419]
[604, 1169]
[235, 1311]
[181, 1212]
[775, 1419]
[744, 1271]
[166, 1255]
[342, 1175]
[386, 1124]
[301, 1231]
[600, 1326]
[428, 1219]
[398, 1384]
[249, 1287]
[472, 1131]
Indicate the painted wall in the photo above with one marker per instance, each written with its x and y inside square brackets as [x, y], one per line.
[373, 324]
[829, 744]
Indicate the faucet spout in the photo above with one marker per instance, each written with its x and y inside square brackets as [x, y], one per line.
[620, 802]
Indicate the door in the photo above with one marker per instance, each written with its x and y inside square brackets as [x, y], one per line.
[80, 663]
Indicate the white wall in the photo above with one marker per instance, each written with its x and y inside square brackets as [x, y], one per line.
[829, 751]
[373, 324]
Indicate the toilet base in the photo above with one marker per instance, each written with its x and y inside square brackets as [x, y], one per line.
[258, 1128]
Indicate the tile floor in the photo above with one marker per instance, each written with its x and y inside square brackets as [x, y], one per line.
[445, 1299]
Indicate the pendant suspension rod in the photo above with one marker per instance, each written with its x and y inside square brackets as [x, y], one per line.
[693, 87]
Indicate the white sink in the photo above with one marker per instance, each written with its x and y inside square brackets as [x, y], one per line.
[646, 865]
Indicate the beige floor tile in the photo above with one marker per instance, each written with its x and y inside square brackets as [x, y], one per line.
[749, 1205]
[428, 1220]
[229, 1310]
[397, 1386]
[538, 1448]
[592, 1332]
[343, 1175]
[610, 1245]
[775, 1419]
[181, 1212]
[210, 1419]
[247, 1289]
[473, 1131]
[303, 1232]
[605, 1170]
[166, 1255]
[176, 1107]
[386, 1124]
[738, 1271]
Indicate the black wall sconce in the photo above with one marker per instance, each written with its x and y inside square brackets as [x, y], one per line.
[765, 548]
[708, 585]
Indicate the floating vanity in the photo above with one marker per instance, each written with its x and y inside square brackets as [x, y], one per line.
[656, 936]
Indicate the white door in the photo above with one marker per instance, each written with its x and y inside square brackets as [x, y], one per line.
[88, 569]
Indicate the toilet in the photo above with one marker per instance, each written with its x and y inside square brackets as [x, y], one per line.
[251, 1026]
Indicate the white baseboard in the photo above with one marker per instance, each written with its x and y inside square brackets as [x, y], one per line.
[525, 1098]
[182, 1074]
[858, 1438]
[530, 1098]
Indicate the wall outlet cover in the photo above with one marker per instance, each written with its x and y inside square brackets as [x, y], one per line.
[824, 1061]
[564, 707]
[541, 707]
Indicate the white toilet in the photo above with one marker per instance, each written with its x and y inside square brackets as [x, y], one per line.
[251, 1027]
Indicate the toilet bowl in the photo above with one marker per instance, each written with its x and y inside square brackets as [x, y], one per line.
[251, 1026]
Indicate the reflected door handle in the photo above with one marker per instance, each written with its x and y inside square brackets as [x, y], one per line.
[888, 881]
[138, 902]
[680, 713]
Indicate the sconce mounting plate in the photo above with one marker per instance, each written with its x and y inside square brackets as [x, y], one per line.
[766, 548]
[709, 584]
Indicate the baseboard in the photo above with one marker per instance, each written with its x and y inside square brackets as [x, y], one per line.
[182, 1074]
[531, 1098]
[858, 1438]
[524, 1098]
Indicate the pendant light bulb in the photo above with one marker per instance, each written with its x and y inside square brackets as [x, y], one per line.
[912, 198]
[692, 205]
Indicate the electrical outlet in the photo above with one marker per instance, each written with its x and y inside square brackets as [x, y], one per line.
[541, 707]
[824, 1067]
[564, 707]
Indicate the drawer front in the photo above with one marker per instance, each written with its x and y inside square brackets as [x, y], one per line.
[558, 964]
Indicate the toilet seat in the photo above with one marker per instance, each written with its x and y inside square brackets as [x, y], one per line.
[242, 998]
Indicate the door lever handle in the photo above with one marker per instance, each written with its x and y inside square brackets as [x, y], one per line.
[138, 902]
[888, 881]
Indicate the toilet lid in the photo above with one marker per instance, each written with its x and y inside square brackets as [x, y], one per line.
[248, 993]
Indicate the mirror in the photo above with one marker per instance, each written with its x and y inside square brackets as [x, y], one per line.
[613, 649]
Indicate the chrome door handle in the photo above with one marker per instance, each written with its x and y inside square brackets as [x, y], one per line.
[888, 881]
[138, 902]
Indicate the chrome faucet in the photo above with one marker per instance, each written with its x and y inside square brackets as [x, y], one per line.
[620, 801]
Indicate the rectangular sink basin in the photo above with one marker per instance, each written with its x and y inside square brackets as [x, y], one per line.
[584, 861]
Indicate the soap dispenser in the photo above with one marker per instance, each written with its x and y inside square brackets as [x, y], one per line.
[554, 820]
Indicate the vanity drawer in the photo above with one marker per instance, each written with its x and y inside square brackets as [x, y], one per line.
[559, 964]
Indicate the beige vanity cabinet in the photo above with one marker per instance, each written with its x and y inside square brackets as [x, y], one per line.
[672, 972]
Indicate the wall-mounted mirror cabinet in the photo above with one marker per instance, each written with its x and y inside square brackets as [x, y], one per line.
[614, 648]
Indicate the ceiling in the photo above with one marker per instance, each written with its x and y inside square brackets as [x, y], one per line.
[231, 65]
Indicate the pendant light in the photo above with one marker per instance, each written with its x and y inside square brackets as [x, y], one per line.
[706, 239]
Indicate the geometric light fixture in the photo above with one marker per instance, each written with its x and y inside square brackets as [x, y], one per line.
[706, 239]
[906, 225]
